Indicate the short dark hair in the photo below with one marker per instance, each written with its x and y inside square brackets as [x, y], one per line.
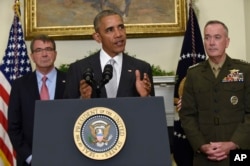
[102, 14]
[44, 38]
[217, 22]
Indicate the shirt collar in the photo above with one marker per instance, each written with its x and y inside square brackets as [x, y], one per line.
[51, 75]
[214, 65]
[104, 58]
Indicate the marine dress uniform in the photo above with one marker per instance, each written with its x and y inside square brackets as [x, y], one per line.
[216, 109]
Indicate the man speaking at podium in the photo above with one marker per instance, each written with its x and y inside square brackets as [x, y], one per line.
[110, 72]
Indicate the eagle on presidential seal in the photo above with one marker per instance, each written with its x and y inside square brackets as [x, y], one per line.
[100, 133]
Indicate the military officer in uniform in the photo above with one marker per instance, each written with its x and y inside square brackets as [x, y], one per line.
[215, 108]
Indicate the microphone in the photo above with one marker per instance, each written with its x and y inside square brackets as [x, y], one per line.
[88, 76]
[107, 74]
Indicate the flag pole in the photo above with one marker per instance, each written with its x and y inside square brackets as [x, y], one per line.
[192, 52]
[16, 8]
[15, 63]
[192, 29]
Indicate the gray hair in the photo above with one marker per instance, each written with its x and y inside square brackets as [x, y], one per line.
[217, 22]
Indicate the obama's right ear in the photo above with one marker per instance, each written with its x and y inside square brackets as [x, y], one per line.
[97, 37]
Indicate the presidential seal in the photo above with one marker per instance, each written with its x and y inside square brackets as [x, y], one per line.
[99, 133]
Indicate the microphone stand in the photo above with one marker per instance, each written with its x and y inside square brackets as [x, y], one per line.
[106, 76]
[98, 90]
[99, 85]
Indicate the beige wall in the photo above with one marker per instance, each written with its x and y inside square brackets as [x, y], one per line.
[247, 18]
[163, 51]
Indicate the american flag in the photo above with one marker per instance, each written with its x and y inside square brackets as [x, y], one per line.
[192, 52]
[15, 64]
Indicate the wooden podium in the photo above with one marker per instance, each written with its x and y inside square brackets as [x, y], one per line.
[147, 142]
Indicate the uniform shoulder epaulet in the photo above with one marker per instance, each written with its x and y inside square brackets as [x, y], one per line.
[240, 61]
[194, 66]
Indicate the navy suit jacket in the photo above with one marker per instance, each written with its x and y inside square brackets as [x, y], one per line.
[126, 86]
[24, 93]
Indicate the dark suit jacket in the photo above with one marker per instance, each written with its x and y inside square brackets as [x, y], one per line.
[24, 93]
[214, 109]
[126, 86]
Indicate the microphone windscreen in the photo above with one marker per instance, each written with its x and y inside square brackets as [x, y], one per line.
[88, 75]
[107, 73]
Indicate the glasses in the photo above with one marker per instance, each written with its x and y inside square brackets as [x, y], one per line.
[40, 50]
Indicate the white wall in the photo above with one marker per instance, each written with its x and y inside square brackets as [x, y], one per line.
[163, 51]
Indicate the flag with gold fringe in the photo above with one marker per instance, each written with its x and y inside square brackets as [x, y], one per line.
[192, 52]
[15, 63]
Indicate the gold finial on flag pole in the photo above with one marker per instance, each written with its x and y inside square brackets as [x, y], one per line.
[191, 3]
[16, 8]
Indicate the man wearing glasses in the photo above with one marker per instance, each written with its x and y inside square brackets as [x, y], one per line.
[45, 83]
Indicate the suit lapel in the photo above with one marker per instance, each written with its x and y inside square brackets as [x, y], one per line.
[60, 85]
[33, 86]
[95, 64]
[127, 75]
